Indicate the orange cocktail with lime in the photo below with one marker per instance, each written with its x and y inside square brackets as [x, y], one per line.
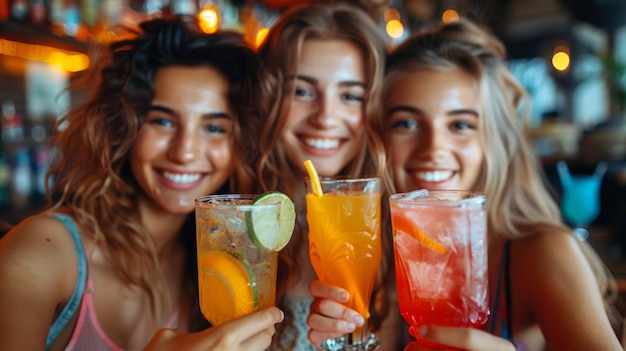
[345, 243]
[440, 252]
[238, 239]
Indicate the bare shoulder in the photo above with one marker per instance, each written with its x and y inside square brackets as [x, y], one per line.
[37, 235]
[548, 248]
[555, 284]
[39, 247]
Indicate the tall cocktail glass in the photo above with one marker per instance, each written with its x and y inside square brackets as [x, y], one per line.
[236, 275]
[440, 253]
[345, 246]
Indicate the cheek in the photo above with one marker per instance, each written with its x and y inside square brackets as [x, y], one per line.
[221, 156]
[145, 146]
[354, 121]
[473, 154]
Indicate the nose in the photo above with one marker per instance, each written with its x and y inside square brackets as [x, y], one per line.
[325, 113]
[432, 144]
[185, 146]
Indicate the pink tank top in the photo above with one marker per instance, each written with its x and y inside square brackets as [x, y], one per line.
[88, 334]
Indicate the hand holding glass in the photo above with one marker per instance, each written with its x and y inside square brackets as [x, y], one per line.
[345, 246]
[440, 253]
[236, 275]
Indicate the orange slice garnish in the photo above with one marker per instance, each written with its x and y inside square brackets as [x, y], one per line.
[400, 222]
[228, 288]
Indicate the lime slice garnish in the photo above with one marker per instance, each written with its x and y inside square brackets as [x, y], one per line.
[263, 223]
[230, 289]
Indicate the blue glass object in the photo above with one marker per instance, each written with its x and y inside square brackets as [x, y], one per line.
[580, 197]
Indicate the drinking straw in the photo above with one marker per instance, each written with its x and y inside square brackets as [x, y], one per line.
[315, 179]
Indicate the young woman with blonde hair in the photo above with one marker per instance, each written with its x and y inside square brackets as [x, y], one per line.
[327, 64]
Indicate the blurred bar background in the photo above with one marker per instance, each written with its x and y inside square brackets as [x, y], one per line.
[569, 54]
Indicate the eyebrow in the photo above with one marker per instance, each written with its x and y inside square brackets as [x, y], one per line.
[345, 83]
[411, 109]
[209, 115]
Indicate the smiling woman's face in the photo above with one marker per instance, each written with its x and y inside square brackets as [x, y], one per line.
[432, 130]
[324, 110]
[184, 147]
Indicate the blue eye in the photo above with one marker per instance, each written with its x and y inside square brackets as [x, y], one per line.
[302, 92]
[353, 97]
[463, 125]
[161, 121]
[405, 124]
[213, 128]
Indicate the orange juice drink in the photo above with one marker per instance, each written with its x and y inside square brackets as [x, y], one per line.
[344, 237]
[236, 273]
[440, 253]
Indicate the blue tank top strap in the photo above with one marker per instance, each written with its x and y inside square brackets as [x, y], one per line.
[72, 305]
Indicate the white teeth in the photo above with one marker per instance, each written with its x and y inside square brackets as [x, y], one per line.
[324, 144]
[181, 178]
[435, 176]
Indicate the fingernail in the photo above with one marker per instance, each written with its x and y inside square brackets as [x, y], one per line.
[282, 315]
[350, 327]
[344, 296]
[359, 320]
[423, 330]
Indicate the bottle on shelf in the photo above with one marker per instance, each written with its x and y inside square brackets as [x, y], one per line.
[5, 182]
[12, 126]
[21, 179]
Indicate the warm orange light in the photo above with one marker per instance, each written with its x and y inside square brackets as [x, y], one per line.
[450, 16]
[260, 36]
[209, 19]
[394, 29]
[560, 61]
[69, 61]
[391, 14]
[561, 56]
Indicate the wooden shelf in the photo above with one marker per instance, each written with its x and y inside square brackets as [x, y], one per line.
[40, 35]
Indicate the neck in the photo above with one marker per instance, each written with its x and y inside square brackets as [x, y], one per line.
[164, 227]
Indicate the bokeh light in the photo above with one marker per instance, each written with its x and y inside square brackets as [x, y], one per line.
[391, 14]
[560, 61]
[450, 16]
[260, 36]
[394, 29]
[209, 20]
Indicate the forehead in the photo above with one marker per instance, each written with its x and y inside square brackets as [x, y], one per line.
[434, 86]
[326, 55]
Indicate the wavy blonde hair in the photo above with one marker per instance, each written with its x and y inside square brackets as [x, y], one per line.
[280, 53]
[92, 177]
[513, 211]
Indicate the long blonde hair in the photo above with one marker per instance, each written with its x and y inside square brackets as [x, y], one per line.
[514, 211]
[280, 54]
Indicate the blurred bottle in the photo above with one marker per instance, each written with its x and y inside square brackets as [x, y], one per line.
[184, 7]
[41, 165]
[56, 11]
[19, 10]
[5, 10]
[21, 179]
[38, 13]
[71, 20]
[12, 127]
[5, 182]
[89, 12]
